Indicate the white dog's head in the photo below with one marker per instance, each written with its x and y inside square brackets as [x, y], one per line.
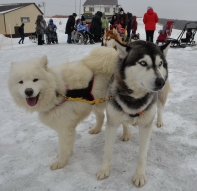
[143, 65]
[30, 84]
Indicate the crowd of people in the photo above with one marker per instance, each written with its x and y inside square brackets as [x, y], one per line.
[125, 23]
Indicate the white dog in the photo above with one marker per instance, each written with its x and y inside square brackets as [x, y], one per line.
[35, 87]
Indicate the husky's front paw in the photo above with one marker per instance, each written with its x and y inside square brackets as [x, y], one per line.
[58, 165]
[160, 124]
[94, 130]
[134, 123]
[126, 137]
[102, 174]
[139, 180]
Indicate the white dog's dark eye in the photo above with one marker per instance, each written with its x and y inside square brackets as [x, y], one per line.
[35, 80]
[21, 82]
[143, 63]
[160, 64]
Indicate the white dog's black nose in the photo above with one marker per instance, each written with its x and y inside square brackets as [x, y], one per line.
[29, 92]
[159, 83]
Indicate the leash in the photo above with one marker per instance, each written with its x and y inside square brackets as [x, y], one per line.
[99, 100]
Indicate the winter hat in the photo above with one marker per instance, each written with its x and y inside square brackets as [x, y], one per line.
[149, 8]
[74, 14]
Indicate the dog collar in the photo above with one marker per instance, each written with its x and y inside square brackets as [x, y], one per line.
[136, 115]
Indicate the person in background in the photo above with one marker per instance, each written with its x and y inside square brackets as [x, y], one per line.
[70, 26]
[122, 18]
[105, 23]
[53, 27]
[113, 22]
[40, 29]
[22, 34]
[150, 19]
[95, 27]
[83, 28]
[134, 25]
[129, 25]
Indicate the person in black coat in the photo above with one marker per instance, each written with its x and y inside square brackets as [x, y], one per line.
[21, 32]
[122, 18]
[70, 26]
[96, 26]
[129, 25]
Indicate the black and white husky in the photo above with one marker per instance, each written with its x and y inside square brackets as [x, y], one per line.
[134, 37]
[141, 71]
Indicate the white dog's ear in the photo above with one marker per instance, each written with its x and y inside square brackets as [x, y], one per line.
[114, 31]
[122, 49]
[44, 61]
[164, 48]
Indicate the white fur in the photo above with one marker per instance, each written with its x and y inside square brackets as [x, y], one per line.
[63, 118]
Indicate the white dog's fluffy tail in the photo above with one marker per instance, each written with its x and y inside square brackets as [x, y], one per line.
[101, 60]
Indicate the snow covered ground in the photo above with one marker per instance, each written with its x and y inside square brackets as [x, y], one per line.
[27, 147]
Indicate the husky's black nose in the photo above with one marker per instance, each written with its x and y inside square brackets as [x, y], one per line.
[29, 92]
[159, 83]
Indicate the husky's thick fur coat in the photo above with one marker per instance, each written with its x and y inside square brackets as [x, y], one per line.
[141, 70]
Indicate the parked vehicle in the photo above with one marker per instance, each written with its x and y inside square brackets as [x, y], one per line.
[88, 17]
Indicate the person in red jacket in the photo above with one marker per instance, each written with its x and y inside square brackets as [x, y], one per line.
[150, 19]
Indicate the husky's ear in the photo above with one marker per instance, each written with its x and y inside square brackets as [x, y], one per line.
[164, 48]
[44, 61]
[122, 49]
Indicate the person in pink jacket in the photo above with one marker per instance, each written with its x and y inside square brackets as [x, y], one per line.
[150, 19]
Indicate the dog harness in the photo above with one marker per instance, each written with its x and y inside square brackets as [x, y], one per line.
[82, 95]
[85, 93]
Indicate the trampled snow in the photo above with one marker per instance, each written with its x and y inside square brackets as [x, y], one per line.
[27, 147]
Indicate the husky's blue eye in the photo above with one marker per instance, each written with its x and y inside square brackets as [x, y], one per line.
[143, 63]
[35, 80]
[160, 64]
[21, 82]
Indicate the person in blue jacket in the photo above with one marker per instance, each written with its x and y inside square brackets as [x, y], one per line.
[53, 27]
[82, 27]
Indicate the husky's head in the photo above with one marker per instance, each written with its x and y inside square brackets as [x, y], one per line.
[142, 65]
[135, 37]
[109, 38]
[30, 84]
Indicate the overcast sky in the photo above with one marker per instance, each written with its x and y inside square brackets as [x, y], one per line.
[171, 9]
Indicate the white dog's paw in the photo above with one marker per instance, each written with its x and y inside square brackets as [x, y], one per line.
[58, 165]
[126, 137]
[160, 124]
[94, 130]
[102, 174]
[139, 180]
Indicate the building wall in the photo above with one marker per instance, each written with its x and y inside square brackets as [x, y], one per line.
[2, 26]
[14, 19]
[102, 9]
